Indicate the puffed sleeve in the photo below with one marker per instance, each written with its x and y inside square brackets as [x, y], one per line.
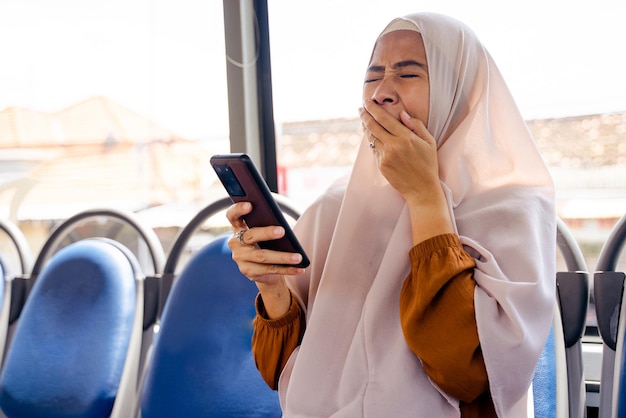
[439, 322]
[274, 340]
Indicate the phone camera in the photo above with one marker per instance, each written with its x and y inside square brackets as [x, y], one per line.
[228, 179]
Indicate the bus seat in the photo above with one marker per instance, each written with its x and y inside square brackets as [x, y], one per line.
[558, 387]
[572, 288]
[68, 354]
[610, 312]
[573, 302]
[558, 379]
[210, 295]
[141, 242]
[201, 364]
[545, 394]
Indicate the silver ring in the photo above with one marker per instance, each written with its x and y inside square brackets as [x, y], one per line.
[239, 236]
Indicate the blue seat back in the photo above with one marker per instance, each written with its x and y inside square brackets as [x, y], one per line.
[70, 344]
[545, 381]
[202, 364]
[550, 391]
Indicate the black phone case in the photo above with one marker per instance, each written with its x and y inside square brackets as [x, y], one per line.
[244, 183]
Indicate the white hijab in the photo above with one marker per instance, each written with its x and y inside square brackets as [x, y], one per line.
[354, 360]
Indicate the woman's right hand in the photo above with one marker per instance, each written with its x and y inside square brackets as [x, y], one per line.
[265, 267]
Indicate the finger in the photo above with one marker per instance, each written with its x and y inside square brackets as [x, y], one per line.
[416, 126]
[265, 261]
[371, 124]
[256, 263]
[372, 140]
[235, 214]
[409, 122]
[239, 236]
[386, 123]
[253, 236]
[269, 273]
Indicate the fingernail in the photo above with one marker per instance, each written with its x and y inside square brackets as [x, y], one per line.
[296, 258]
[406, 114]
[246, 205]
[279, 231]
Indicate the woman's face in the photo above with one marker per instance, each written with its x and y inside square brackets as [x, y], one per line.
[397, 77]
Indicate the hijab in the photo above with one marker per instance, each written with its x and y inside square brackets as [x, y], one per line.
[353, 360]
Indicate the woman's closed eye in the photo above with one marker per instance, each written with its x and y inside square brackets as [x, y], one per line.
[402, 76]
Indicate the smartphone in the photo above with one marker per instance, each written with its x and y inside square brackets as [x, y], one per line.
[243, 183]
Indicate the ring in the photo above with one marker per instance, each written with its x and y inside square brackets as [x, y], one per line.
[239, 236]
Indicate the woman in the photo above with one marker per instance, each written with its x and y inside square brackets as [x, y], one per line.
[431, 287]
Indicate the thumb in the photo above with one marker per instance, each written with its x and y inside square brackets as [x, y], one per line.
[416, 126]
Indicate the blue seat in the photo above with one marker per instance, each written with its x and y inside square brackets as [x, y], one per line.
[202, 364]
[144, 246]
[545, 380]
[144, 253]
[69, 349]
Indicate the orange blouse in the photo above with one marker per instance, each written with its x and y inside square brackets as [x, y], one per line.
[437, 317]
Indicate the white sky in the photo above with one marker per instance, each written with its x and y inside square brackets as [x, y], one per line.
[165, 58]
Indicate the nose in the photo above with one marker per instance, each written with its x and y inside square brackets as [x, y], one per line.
[385, 93]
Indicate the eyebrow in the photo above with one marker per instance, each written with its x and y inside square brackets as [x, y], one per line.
[396, 66]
